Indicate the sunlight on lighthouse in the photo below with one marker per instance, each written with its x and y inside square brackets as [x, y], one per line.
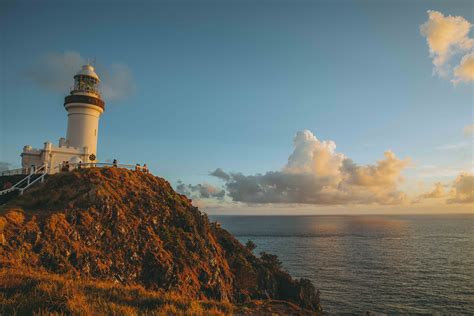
[84, 106]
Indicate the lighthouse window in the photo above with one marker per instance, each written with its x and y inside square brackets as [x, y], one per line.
[95, 132]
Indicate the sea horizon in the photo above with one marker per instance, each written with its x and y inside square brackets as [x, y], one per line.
[263, 157]
[350, 215]
[402, 264]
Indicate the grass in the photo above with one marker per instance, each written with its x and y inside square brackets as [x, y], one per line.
[30, 292]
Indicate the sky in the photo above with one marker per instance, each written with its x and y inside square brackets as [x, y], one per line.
[259, 107]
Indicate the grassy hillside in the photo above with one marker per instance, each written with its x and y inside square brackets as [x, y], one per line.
[132, 229]
[29, 292]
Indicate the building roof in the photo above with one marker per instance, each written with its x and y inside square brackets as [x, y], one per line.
[88, 70]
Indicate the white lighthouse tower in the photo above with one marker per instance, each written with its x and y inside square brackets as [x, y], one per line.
[84, 106]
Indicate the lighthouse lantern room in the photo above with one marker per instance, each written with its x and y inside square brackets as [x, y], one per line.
[84, 107]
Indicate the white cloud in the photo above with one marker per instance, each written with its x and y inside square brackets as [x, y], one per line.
[437, 192]
[55, 72]
[317, 174]
[385, 172]
[465, 70]
[200, 191]
[311, 155]
[454, 146]
[446, 36]
[117, 81]
[462, 189]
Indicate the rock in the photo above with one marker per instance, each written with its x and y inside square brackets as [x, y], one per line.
[3, 241]
[133, 228]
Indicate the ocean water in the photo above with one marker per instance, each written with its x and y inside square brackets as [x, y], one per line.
[387, 264]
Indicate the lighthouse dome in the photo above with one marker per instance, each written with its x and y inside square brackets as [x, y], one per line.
[75, 160]
[88, 70]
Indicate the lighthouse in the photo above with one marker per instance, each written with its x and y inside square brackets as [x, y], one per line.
[84, 107]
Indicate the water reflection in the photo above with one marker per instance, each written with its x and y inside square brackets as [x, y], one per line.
[403, 264]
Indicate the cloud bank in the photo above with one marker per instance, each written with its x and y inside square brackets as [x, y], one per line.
[462, 189]
[436, 193]
[200, 191]
[447, 36]
[54, 72]
[461, 192]
[316, 174]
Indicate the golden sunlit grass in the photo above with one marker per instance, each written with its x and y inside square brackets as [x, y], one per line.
[29, 292]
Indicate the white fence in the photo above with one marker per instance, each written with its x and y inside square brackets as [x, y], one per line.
[34, 175]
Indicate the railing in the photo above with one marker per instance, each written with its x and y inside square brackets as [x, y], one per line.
[81, 165]
[42, 171]
[28, 181]
[14, 172]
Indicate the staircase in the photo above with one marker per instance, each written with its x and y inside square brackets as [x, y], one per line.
[18, 188]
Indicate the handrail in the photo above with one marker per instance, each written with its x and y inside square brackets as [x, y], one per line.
[101, 164]
[13, 172]
[41, 170]
[80, 165]
[27, 178]
[40, 178]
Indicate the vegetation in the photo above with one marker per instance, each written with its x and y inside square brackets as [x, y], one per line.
[131, 229]
[27, 292]
[271, 261]
[250, 245]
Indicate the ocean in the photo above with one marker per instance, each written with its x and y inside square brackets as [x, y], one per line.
[421, 264]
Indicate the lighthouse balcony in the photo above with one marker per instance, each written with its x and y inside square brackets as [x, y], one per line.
[78, 98]
[85, 91]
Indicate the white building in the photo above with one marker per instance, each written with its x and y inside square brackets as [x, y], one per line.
[84, 107]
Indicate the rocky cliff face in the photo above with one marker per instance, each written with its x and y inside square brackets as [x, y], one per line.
[133, 228]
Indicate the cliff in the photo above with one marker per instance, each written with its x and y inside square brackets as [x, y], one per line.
[132, 229]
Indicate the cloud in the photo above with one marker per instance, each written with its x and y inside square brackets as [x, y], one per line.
[465, 70]
[200, 191]
[437, 192]
[55, 72]
[385, 173]
[117, 81]
[311, 155]
[316, 174]
[432, 171]
[446, 36]
[468, 130]
[454, 146]
[219, 173]
[462, 190]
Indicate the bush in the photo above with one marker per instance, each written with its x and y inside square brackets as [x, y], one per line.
[271, 261]
[250, 245]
